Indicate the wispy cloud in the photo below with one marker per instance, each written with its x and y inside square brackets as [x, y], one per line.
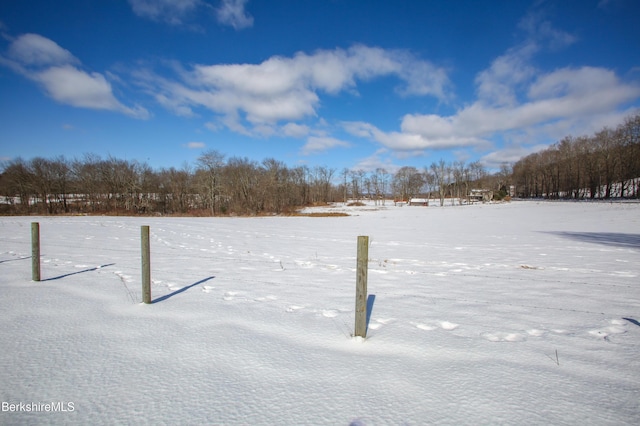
[195, 145]
[378, 160]
[182, 12]
[173, 12]
[58, 73]
[295, 130]
[232, 13]
[254, 98]
[317, 144]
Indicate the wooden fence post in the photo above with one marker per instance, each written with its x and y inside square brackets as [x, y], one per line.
[361, 286]
[146, 264]
[35, 251]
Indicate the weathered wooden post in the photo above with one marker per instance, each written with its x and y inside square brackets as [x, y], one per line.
[361, 286]
[35, 251]
[146, 264]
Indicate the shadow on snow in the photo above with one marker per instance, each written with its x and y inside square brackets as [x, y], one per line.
[13, 260]
[632, 321]
[370, 301]
[606, 238]
[78, 272]
[167, 296]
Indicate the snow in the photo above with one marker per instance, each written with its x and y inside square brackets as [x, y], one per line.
[517, 313]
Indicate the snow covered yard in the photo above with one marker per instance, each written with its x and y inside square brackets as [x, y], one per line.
[520, 313]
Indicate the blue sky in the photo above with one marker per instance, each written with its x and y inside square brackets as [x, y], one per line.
[340, 83]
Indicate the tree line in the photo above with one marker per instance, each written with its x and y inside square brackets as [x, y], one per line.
[603, 165]
[110, 185]
[214, 185]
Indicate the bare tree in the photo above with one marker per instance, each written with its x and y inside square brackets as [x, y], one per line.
[408, 182]
[345, 176]
[61, 174]
[210, 165]
[17, 183]
[439, 171]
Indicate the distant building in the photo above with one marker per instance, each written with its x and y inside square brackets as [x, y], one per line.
[419, 202]
[482, 195]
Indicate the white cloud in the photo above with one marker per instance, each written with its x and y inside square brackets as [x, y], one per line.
[295, 130]
[69, 85]
[195, 145]
[173, 12]
[498, 83]
[33, 49]
[377, 160]
[517, 103]
[232, 13]
[571, 96]
[509, 155]
[249, 98]
[316, 144]
[56, 70]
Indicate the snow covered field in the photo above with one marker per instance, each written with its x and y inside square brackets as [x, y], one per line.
[519, 313]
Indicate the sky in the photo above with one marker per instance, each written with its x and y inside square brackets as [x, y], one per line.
[337, 83]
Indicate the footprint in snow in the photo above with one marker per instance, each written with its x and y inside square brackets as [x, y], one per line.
[615, 327]
[294, 308]
[207, 288]
[230, 295]
[445, 325]
[536, 332]
[379, 322]
[503, 336]
[426, 327]
[330, 313]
